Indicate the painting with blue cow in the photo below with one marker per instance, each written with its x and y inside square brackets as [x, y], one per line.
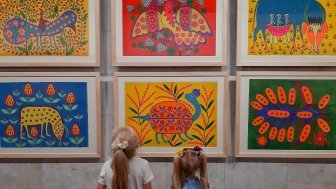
[291, 27]
[44, 115]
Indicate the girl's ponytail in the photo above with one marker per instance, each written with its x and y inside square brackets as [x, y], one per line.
[124, 147]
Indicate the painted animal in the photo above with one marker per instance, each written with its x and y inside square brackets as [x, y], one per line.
[17, 31]
[171, 117]
[279, 114]
[43, 116]
[308, 15]
[187, 25]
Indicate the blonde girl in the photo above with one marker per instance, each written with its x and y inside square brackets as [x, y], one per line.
[190, 169]
[125, 170]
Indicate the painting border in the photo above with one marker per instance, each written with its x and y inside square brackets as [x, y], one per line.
[171, 153]
[243, 59]
[94, 150]
[220, 59]
[92, 60]
[240, 148]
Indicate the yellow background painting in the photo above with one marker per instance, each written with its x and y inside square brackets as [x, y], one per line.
[326, 47]
[141, 97]
[21, 24]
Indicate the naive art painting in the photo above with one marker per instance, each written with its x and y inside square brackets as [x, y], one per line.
[169, 27]
[44, 28]
[49, 33]
[292, 114]
[291, 27]
[44, 115]
[174, 113]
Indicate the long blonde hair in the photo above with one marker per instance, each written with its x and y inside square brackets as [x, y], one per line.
[179, 171]
[121, 155]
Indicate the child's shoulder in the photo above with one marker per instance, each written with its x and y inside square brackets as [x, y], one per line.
[137, 159]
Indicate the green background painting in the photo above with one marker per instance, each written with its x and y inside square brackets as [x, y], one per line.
[317, 139]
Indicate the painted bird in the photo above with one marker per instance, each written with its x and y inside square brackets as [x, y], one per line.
[17, 31]
[187, 24]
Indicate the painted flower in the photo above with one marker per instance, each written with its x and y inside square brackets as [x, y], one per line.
[50, 89]
[9, 101]
[9, 33]
[28, 89]
[22, 31]
[70, 98]
[15, 23]
[262, 141]
[75, 130]
[320, 138]
[33, 132]
[10, 131]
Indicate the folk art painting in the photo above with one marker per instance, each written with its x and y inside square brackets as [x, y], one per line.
[179, 112]
[166, 28]
[48, 28]
[46, 116]
[293, 29]
[288, 115]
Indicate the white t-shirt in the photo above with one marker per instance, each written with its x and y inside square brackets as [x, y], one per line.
[140, 173]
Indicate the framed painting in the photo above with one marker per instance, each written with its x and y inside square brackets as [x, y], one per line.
[286, 114]
[173, 110]
[286, 33]
[50, 115]
[169, 32]
[49, 33]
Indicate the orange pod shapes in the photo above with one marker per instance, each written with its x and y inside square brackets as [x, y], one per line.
[323, 125]
[273, 133]
[281, 135]
[264, 127]
[290, 134]
[256, 105]
[324, 101]
[278, 113]
[281, 95]
[305, 133]
[263, 100]
[271, 95]
[307, 95]
[291, 96]
[304, 114]
[258, 120]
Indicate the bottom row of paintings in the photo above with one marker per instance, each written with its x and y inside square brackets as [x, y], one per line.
[278, 114]
[44, 115]
[286, 114]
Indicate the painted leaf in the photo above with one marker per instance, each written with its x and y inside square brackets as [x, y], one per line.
[80, 140]
[200, 127]
[211, 138]
[198, 138]
[147, 141]
[74, 107]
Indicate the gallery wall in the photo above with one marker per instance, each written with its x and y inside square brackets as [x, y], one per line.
[229, 173]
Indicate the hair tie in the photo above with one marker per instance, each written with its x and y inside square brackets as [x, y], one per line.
[198, 150]
[180, 152]
[116, 145]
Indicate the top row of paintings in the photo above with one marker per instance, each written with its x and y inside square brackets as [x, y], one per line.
[167, 33]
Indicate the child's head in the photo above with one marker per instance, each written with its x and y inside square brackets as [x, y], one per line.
[187, 162]
[124, 145]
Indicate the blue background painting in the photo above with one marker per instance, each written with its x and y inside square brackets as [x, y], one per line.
[68, 98]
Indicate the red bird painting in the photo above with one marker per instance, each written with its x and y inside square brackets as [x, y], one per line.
[175, 25]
